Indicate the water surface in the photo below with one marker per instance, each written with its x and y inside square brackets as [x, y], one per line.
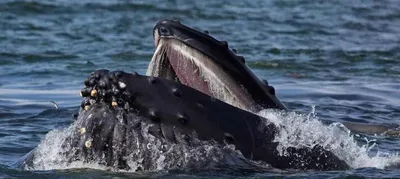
[341, 56]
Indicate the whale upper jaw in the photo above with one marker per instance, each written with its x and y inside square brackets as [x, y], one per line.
[199, 61]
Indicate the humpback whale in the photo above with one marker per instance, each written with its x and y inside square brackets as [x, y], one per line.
[195, 89]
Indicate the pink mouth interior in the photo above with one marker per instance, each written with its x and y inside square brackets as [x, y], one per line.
[188, 73]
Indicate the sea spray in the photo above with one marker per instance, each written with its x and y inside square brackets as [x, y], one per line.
[49, 154]
[300, 130]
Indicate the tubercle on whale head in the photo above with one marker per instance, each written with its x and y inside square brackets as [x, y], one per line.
[211, 61]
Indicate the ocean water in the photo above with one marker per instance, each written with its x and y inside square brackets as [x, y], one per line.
[339, 58]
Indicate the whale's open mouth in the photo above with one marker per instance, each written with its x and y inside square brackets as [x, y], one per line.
[201, 62]
[190, 67]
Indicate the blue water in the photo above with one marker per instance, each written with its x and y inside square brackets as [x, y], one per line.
[341, 56]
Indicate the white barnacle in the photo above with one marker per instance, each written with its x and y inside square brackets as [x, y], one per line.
[121, 85]
[114, 104]
[83, 130]
[93, 93]
[88, 143]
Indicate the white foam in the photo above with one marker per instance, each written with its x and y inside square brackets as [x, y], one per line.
[299, 130]
[48, 153]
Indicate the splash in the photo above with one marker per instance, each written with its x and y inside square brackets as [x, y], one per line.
[299, 130]
[48, 154]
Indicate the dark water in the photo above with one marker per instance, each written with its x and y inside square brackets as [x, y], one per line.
[341, 56]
